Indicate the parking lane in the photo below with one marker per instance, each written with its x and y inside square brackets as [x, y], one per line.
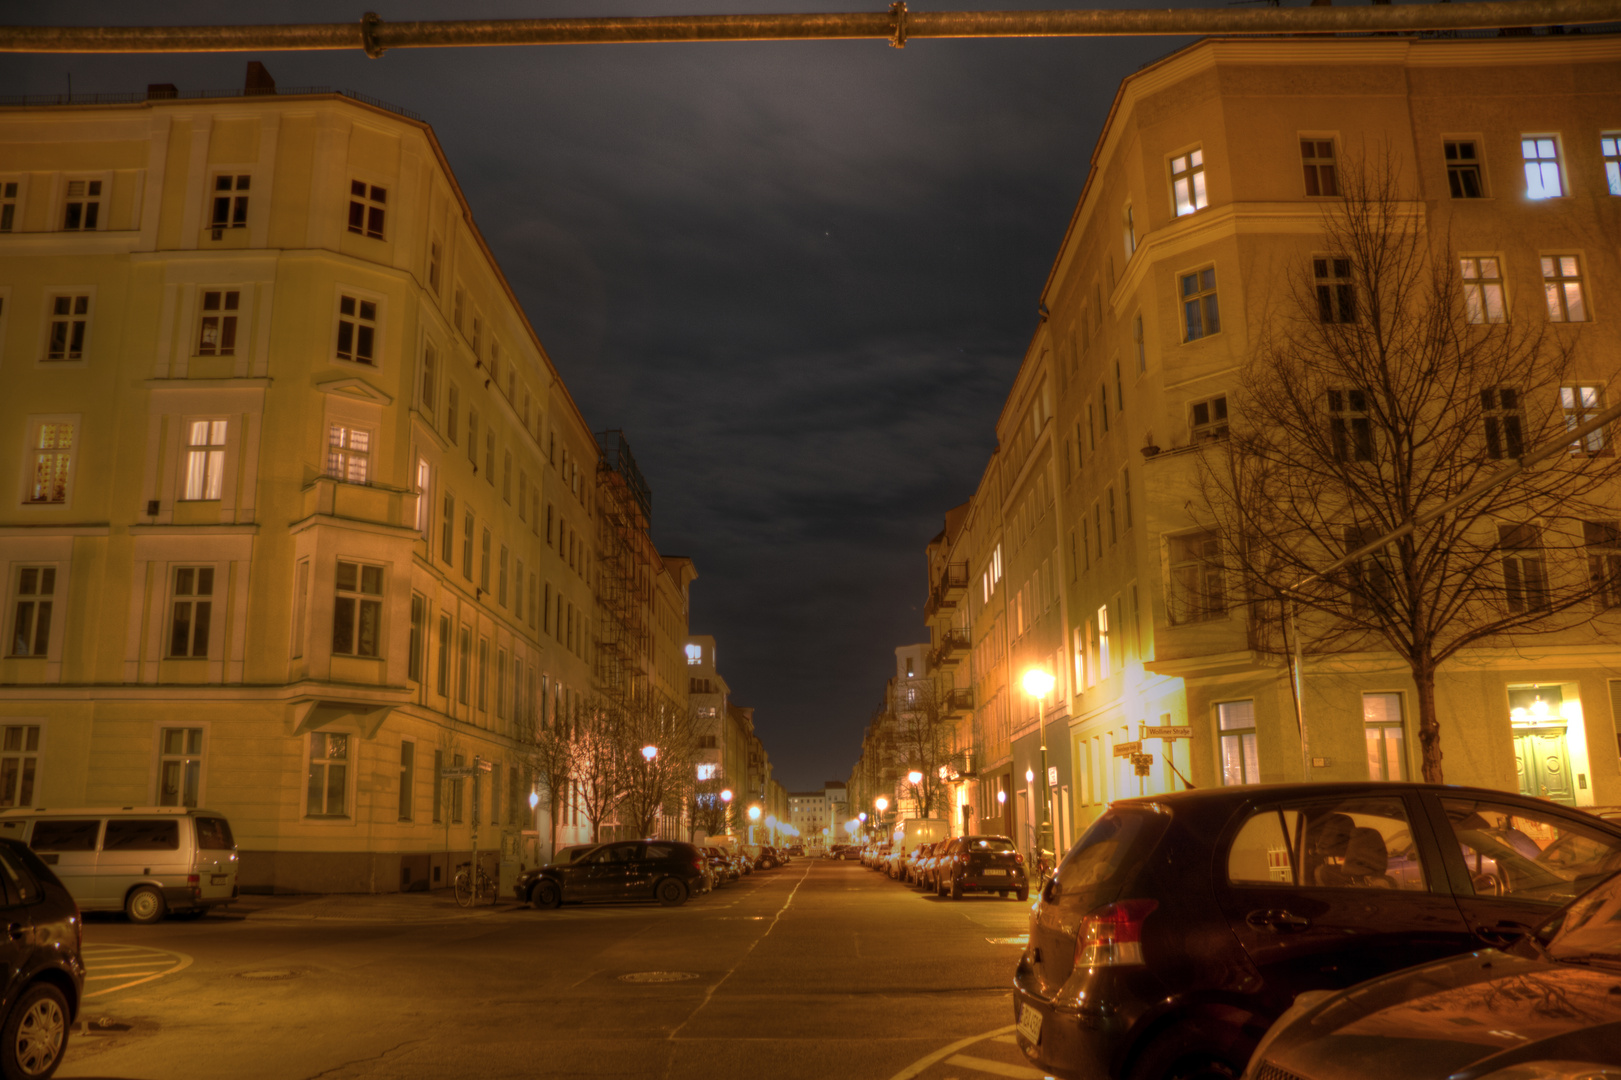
[110, 968]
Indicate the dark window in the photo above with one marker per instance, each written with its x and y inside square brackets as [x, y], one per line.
[214, 834]
[65, 835]
[367, 204]
[1349, 426]
[1209, 419]
[1336, 296]
[1603, 540]
[1317, 157]
[230, 203]
[1505, 426]
[1103, 851]
[357, 329]
[1201, 316]
[1463, 170]
[142, 834]
[1525, 580]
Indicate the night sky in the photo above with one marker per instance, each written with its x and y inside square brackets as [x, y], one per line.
[800, 276]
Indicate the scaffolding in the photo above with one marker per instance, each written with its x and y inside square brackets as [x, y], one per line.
[627, 565]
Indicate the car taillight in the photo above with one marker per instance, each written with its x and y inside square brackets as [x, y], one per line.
[193, 879]
[1112, 936]
[1018, 858]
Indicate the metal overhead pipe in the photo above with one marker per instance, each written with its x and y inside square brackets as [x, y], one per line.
[373, 35]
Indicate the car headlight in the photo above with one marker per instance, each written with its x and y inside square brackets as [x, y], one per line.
[1556, 1070]
[1303, 1004]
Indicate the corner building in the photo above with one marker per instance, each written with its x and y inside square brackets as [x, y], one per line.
[299, 514]
[1208, 185]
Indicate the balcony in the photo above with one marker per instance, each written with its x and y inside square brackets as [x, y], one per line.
[948, 587]
[959, 701]
[952, 648]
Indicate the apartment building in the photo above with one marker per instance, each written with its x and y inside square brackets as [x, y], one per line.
[259, 358]
[1081, 556]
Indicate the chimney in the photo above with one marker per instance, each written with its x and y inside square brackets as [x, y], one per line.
[258, 81]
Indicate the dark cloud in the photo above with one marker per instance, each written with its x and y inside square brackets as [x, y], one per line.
[800, 276]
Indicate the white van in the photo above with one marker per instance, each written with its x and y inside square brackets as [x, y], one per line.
[141, 860]
[908, 836]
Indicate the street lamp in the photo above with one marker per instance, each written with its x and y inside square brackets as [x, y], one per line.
[534, 801]
[1038, 684]
[650, 752]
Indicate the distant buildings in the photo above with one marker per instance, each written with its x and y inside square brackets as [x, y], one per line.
[1077, 554]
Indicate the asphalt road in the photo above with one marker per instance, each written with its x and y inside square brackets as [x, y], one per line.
[817, 970]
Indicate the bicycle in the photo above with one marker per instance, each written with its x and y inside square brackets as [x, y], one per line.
[473, 884]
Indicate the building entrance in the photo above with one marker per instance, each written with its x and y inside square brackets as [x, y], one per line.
[1542, 761]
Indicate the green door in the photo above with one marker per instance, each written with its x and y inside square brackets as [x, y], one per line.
[1544, 765]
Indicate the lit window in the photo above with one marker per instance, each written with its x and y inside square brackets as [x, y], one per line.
[83, 207]
[180, 767]
[1209, 419]
[1103, 642]
[1336, 296]
[348, 454]
[70, 316]
[230, 203]
[1240, 762]
[8, 205]
[695, 654]
[329, 775]
[1541, 155]
[1525, 581]
[357, 329]
[1317, 158]
[31, 618]
[19, 764]
[1200, 313]
[192, 611]
[357, 613]
[1504, 422]
[1463, 170]
[205, 459]
[52, 450]
[216, 334]
[1350, 428]
[1483, 290]
[1187, 182]
[1562, 287]
[1581, 404]
[424, 479]
[1382, 728]
[367, 205]
[1609, 146]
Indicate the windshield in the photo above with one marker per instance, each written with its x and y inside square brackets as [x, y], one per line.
[1590, 926]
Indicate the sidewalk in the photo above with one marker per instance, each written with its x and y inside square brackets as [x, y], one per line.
[383, 907]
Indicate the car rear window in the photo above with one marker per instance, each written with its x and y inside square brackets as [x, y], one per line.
[214, 834]
[142, 834]
[990, 844]
[1113, 842]
[65, 835]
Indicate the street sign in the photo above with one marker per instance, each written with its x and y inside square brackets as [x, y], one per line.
[1052, 776]
[1142, 763]
[459, 772]
[1127, 749]
[1172, 732]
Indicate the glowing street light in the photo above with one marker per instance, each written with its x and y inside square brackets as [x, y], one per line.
[915, 777]
[650, 752]
[754, 813]
[880, 804]
[1001, 796]
[726, 795]
[1038, 683]
[862, 817]
[534, 800]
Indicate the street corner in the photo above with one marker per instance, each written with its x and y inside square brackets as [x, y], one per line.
[978, 1057]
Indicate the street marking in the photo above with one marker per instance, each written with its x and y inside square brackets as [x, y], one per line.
[996, 1068]
[1022, 939]
[940, 1055]
[150, 964]
[1011, 1040]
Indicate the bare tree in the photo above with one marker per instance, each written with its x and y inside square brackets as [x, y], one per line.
[601, 767]
[709, 810]
[924, 733]
[1396, 377]
[550, 752]
[656, 783]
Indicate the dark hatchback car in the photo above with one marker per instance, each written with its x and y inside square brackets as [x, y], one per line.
[1179, 927]
[43, 969]
[1547, 1008]
[668, 871]
[981, 864]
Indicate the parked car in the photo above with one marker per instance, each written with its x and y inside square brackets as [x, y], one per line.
[1545, 1007]
[908, 835]
[668, 871]
[573, 852]
[145, 861]
[725, 869]
[1179, 927]
[44, 970]
[981, 864]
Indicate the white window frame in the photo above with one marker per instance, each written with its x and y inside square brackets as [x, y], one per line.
[1543, 157]
[1609, 145]
[236, 203]
[32, 453]
[23, 756]
[204, 476]
[1485, 294]
[16, 598]
[183, 757]
[1557, 288]
[224, 318]
[311, 762]
[361, 597]
[1213, 428]
[13, 186]
[1188, 192]
[349, 449]
[371, 208]
[405, 794]
[49, 317]
[357, 321]
[101, 183]
[1237, 735]
[193, 600]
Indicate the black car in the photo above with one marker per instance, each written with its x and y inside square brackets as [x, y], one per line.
[1548, 1007]
[41, 958]
[981, 864]
[668, 871]
[1180, 926]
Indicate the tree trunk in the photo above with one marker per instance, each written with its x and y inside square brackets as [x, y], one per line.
[553, 806]
[1429, 725]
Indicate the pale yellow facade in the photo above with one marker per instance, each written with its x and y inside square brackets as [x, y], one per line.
[1112, 369]
[375, 471]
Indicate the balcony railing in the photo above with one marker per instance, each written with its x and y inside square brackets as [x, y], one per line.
[959, 700]
[952, 648]
[948, 587]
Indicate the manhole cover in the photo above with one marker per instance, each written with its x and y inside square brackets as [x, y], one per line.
[271, 973]
[658, 976]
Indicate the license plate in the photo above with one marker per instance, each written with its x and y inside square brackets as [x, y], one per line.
[219, 879]
[1030, 1023]
[996, 873]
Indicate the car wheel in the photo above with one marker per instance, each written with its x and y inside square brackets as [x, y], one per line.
[1195, 1051]
[1023, 893]
[35, 1035]
[145, 905]
[546, 895]
[671, 892]
[956, 890]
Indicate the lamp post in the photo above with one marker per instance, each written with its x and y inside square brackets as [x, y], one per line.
[1001, 807]
[649, 755]
[534, 819]
[915, 778]
[1038, 684]
[754, 816]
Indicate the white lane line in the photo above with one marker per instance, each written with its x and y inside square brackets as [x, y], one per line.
[1011, 1040]
[747, 952]
[996, 1068]
[940, 1055]
[178, 962]
[120, 975]
[132, 963]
